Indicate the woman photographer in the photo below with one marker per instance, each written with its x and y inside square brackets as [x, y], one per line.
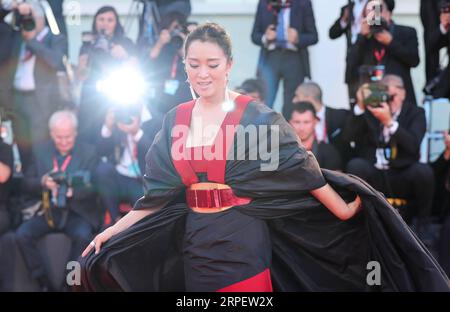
[103, 49]
[165, 64]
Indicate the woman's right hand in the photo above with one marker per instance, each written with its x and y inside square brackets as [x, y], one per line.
[99, 240]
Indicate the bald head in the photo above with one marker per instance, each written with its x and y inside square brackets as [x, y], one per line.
[309, 92]
[393, 80]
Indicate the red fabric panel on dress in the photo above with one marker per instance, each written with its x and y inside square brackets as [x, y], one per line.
[258, 283]
[215, 168]
[183, 167]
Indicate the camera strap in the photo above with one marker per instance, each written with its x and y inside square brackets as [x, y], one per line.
[46, 208]
[173, 71]
[64, 165]
[63, 168]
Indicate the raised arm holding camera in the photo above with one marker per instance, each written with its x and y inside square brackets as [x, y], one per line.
[388, 138]
[165, 64]
[60, 176]
[384, 43]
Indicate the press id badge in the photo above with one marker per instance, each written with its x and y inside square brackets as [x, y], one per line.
[171, 86]
[381, 154]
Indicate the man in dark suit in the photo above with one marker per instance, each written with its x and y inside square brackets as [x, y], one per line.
[441, 169]
[304, 120]
[28, 79]
[349, 23]
[284, 37]
[440, 38]
[69, 206]
[388, 140]
[331, 121]
[429, 15]
[123, 147]
[6, 165]
[391, 45]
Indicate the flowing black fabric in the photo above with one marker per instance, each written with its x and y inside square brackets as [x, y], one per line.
[312, 250]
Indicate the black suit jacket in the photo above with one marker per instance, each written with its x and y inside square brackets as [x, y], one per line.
[49, 55]
[429, 15]
[112, 147]
[301, 18]
[327, 156]
[441, 168]
[84, 158]
[336, 120]
[401, 55]
[336, 29]
[365, 131]
[436, 42]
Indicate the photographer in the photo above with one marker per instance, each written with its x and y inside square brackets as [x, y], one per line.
[388, 137]
[6, 36]
[388, 44]
[60, 176]
[440, 38]
[6, 165]
[29, 76]
[349, 23]
[105, 48]
[124, 145]
[442, 201]
[165, 64]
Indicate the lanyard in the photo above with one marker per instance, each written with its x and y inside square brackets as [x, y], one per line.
[379, 54]
[64, 165]
[173, 71]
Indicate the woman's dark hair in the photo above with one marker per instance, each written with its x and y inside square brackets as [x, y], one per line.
[118, 31]
[211, 32]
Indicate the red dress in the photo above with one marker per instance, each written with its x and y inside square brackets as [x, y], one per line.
[228, 250]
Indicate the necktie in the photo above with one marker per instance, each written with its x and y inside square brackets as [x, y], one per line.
[281, 39]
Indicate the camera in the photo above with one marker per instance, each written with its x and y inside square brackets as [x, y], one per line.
[23, 22]
[374, 94]
[177, 36]
[125, 113]
[376, 29]
[123, 87]
[66, 180]
[102, 42]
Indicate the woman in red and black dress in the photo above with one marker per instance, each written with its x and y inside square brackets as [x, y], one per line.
[224, 214]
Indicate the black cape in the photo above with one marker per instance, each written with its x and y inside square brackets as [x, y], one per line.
[312, 250]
